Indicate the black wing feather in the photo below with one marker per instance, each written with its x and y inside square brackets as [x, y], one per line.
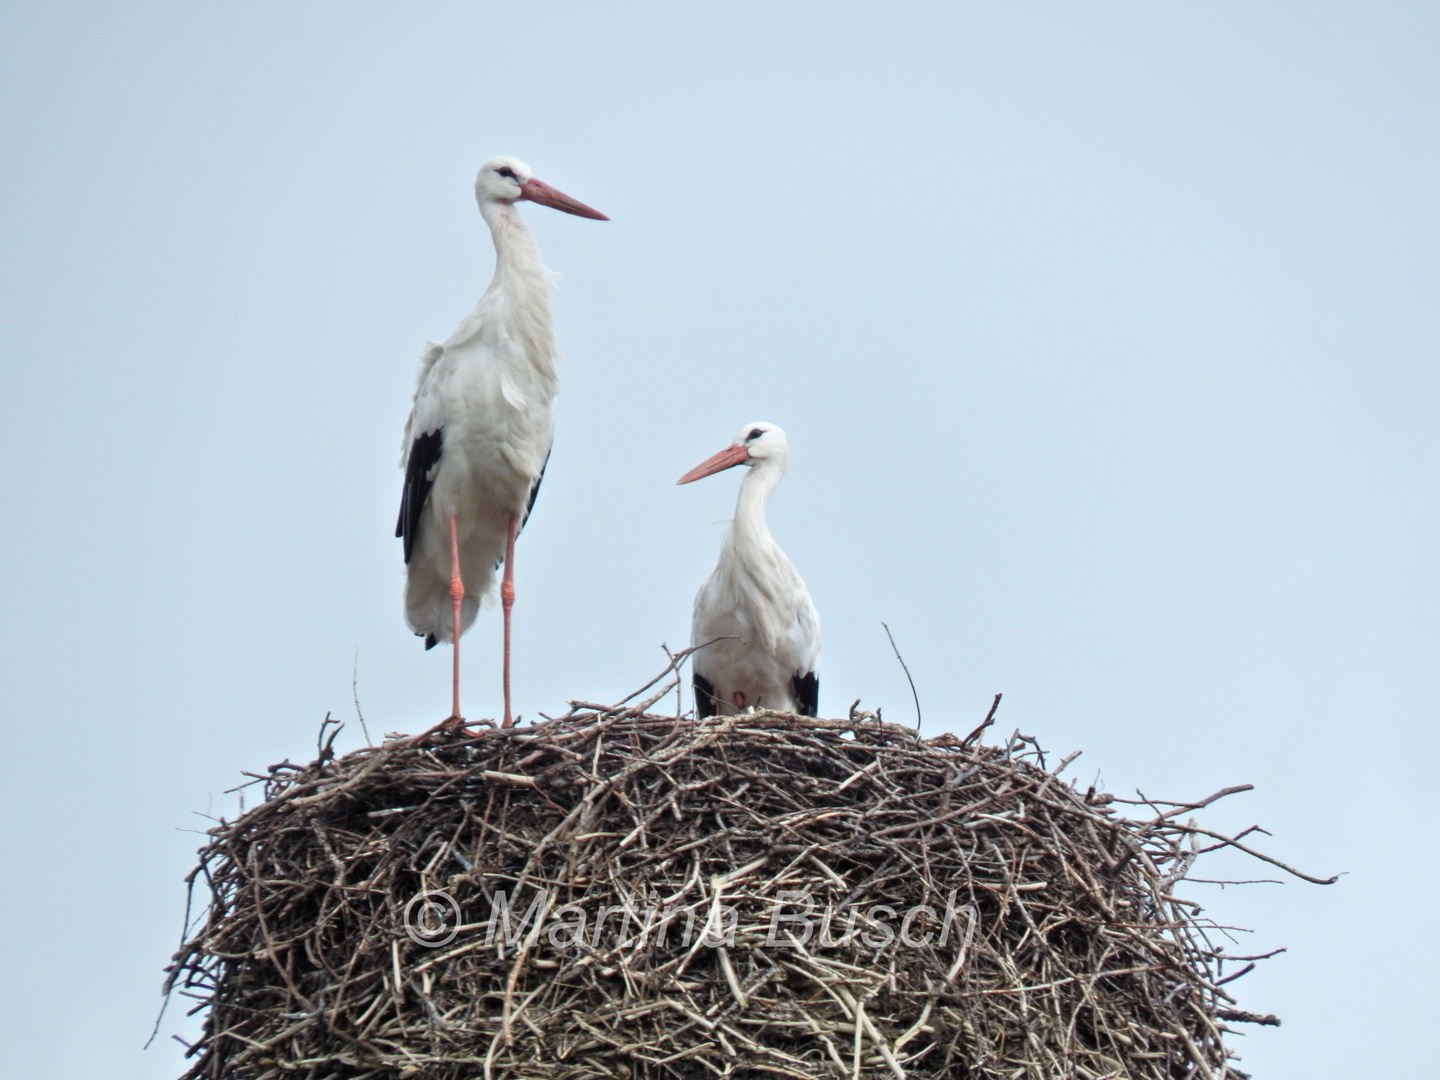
[704, 697]
[806, 691]
[535, 490]
[419, 478]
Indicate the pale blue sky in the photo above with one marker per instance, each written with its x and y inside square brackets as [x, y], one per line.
[1104, 336]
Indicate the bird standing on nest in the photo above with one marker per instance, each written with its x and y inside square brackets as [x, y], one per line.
[480, 431]
[754, 602]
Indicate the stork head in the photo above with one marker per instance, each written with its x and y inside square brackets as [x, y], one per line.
[757, 444]
[508, 180]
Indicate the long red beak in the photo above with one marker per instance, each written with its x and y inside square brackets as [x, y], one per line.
[537, 191]
[725, 459]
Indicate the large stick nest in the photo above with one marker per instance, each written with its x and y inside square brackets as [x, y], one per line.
[1056, 947]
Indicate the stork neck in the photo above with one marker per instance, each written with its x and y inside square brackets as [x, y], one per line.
[518, 266]
[755, 490]
[519, 293]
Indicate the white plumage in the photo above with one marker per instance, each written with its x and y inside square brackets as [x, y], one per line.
[483, 420]
[755, 601]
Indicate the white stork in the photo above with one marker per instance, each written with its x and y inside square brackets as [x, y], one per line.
[479, 434]
[754, 602]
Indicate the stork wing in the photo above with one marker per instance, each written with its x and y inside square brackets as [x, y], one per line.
[420, 467]
[535, 489]
[806, 691]
[704, 697]
[530, 503]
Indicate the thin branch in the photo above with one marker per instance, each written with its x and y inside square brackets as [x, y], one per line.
[355, 693]
[989, 719]
[906, 669]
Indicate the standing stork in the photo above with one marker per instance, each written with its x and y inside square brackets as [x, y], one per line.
[479, 434]
[754, 603]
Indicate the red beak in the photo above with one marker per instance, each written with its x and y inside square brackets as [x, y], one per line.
[537, 191]
[725, 459]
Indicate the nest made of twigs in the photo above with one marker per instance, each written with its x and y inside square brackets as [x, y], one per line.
[1056, 947]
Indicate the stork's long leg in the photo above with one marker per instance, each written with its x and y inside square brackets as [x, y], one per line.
[507, 601]
[457, 593]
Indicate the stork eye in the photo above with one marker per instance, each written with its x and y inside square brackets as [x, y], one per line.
[506, 172]
[755, 433]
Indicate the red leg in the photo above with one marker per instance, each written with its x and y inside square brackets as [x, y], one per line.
[457, 593]
[507, 601]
